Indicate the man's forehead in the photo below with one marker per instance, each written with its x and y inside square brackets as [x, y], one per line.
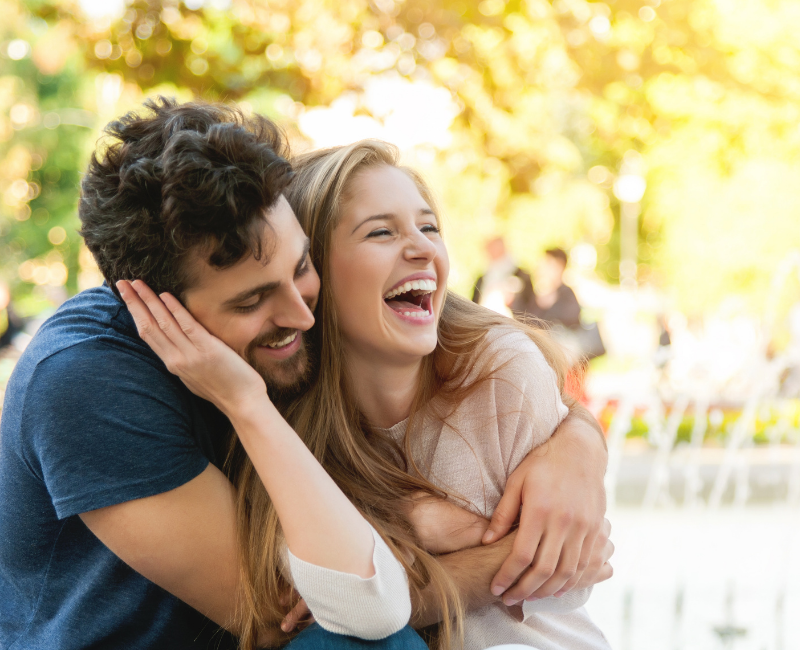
[283, 245]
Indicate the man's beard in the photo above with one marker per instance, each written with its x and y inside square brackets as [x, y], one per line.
[286, 378]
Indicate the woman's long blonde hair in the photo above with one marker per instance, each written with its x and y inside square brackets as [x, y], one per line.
[377, 474]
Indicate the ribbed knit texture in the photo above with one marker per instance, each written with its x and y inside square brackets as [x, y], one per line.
[343, 603]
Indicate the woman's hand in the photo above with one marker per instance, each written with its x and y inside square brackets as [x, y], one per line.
[443, 527]
[208, 367]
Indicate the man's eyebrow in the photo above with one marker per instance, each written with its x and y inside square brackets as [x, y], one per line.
[267, 287]
[301, 261]
[249, 293]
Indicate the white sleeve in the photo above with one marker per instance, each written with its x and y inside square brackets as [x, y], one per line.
[344, 603]
[569, 601]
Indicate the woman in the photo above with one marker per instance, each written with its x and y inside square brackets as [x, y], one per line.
[436, 395]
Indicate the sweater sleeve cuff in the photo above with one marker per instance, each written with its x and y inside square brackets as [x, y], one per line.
[568, 602]
[344, 603]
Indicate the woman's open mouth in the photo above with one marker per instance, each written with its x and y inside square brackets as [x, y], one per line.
[412, 300]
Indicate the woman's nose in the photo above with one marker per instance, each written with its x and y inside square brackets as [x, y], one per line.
[420, 247]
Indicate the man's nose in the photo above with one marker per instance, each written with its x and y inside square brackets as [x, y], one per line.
[295, 312]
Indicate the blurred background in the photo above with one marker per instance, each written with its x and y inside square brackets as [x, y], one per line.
[652, 148]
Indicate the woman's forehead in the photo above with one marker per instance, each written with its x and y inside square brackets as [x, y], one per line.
[381, 184]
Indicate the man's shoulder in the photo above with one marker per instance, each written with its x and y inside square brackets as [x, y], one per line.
[88, 344]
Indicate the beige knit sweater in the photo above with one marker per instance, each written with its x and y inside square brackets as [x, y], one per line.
[482, 443]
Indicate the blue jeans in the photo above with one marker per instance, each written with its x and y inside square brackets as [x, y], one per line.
[315, 638]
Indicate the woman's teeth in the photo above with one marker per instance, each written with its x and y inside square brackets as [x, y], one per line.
[416, 314]
[285, 342]
[414, 285]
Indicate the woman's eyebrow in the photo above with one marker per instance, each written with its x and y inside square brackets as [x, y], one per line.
[374, 217]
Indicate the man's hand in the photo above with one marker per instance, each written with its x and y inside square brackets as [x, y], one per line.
[558, 494]
[599, 569]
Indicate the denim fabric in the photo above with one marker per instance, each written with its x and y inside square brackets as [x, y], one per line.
[315, 638]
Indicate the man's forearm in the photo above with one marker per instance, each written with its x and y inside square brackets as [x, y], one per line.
[579, 413]
[472, 571]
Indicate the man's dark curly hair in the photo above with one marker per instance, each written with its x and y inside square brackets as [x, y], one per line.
[178, 178]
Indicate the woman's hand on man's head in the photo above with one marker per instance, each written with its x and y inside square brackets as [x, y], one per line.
[558, 497]
[208, 367]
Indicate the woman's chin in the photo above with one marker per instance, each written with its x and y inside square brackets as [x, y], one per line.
[418, 345]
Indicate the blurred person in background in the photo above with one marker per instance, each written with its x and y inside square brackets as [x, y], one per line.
[555, 302]
[557, 306]
[504, 287]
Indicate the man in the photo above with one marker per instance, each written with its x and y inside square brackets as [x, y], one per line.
[118, 524]
[504, 288]
[555, 302]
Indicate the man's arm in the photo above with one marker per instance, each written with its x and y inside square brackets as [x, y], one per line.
[183, 540]
[472, 571]
[558, 495]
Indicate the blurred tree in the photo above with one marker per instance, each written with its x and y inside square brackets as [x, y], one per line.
[551, 97]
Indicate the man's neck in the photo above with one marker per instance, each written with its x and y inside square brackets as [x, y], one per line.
[384, 391]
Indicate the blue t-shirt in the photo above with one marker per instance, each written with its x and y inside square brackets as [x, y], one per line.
[93, 418]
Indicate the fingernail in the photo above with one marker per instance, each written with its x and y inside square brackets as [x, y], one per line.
[558, 594]
[532, 599]
[120, 284]
[488, 536]
[285, 626]
[510, 601]
[497, 590]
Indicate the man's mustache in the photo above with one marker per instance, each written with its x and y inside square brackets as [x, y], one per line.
[272, 337]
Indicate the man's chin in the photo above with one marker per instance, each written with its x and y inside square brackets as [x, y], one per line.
[287, 378]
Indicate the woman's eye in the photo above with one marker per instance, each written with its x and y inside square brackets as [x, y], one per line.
[429, 228]
[380, 232]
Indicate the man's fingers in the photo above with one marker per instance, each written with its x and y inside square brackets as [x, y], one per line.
[598, 568]
[543, 567]
[606, 572]
[567, 568]
[520, 559]
[593, 540]
[299, 612]
[505, 514]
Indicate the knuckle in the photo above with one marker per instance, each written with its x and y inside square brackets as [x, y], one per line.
[543, 510]
[545, 569]
[524, 555]
[565, 573]
[565, 519]
[583, 564]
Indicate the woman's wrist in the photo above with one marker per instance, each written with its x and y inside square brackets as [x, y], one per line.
[245, 412]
